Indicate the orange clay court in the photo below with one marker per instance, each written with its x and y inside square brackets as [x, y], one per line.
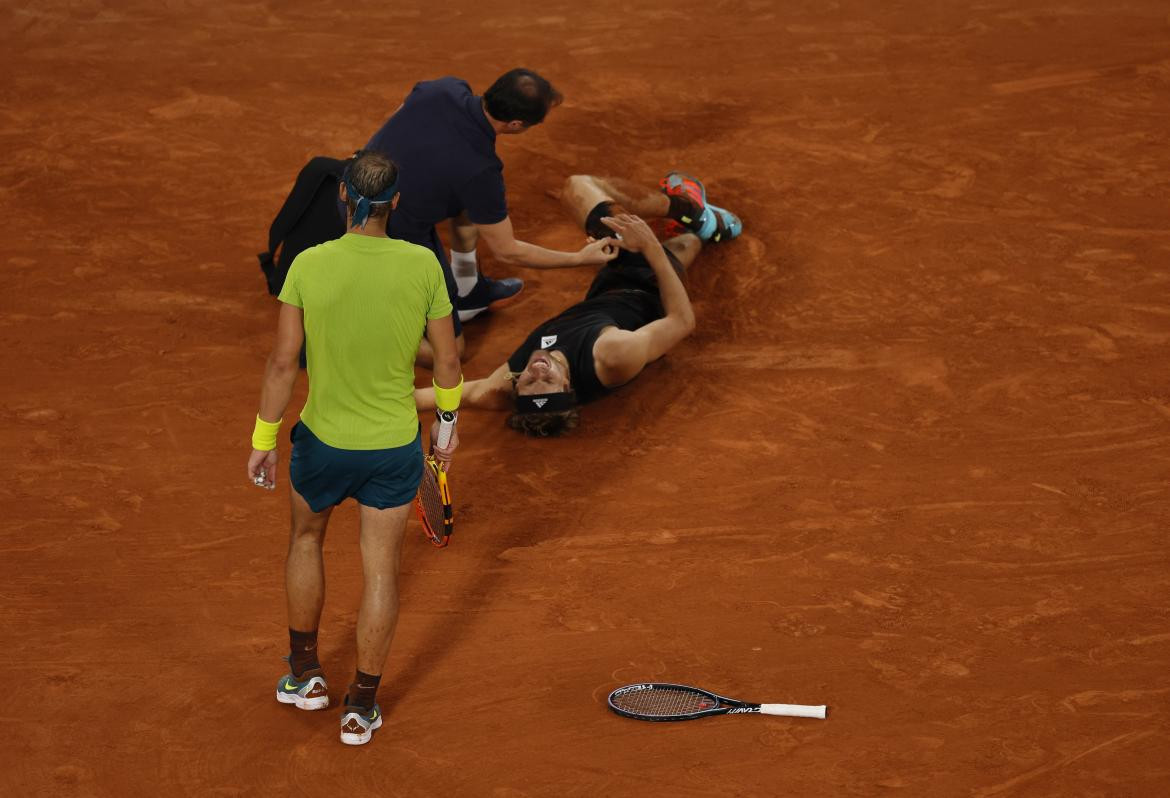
[912, 464]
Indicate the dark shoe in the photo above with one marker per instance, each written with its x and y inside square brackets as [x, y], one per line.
[488, 293]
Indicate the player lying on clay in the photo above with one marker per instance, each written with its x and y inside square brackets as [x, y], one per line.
[634, 312]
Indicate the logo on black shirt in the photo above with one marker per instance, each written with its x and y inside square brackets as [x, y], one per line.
[547, 340]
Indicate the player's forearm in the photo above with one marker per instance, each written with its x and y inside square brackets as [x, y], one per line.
[476, 393]
[447, 373]
[675, 301]
[279, 379]
[522, 253]
[424, 398]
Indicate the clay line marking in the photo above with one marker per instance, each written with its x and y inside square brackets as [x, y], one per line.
[1093, 698]
[837, 76]
[1073, 78]
[1143, 444]
[1121, 739]
[1125, 232]
[961, 505]
[1137, 558]
[209, 544]
[1085, 433]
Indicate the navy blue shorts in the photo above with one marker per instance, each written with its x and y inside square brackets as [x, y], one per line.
[378, 478]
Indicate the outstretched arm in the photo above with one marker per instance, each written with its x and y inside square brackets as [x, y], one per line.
[619, 355]
[505, 246]
[491, 393]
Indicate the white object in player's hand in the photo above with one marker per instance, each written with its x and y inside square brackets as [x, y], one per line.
[261, 480]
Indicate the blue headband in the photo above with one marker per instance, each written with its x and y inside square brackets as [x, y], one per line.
[362, 210]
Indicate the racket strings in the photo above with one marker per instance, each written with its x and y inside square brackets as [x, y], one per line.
[431, 500]
[661, 702]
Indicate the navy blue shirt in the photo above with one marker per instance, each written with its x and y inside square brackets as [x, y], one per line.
[445, 149]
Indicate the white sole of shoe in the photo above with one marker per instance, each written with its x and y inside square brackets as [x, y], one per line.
[309, 704]
[361, 739]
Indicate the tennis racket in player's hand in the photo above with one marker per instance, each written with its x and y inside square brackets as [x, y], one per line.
[444, 441]
[663, 701]
[433, 503]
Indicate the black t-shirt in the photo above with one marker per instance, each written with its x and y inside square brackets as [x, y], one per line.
[445, 149]
[575, 331]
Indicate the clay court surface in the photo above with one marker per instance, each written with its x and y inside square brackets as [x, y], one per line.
[913, 464]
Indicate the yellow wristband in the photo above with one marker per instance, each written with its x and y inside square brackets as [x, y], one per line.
[264, 436]
[448, 398]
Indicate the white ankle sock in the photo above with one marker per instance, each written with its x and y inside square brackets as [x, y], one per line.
[465, 269]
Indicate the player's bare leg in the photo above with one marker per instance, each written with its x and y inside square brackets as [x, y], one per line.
[304, 576]
[381, 544]
[304, 568]
[582, 193]
[464, 235]
[685, 247]
[477, 292]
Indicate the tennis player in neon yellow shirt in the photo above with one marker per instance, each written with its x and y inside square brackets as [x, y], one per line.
[361, 304]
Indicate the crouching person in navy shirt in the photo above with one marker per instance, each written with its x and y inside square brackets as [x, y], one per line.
[443, 138]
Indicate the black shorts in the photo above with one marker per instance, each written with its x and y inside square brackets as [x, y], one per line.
[629, 270]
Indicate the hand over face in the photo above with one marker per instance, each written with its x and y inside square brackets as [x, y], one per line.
[635, 234]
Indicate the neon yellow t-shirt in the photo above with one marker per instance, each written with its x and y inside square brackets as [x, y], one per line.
[366, 302]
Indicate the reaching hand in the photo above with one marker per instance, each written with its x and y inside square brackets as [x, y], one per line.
[262, 469]
[597, 252]
[635, 234]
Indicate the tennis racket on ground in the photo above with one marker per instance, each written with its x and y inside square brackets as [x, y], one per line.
[661, 701]
[433, 502]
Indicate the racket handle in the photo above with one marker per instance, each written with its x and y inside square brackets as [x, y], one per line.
[793, 710]
[446, 428]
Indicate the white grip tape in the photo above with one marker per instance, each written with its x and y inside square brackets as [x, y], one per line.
[793, 710]
[445, 430]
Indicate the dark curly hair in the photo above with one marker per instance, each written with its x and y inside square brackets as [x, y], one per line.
[545, 425]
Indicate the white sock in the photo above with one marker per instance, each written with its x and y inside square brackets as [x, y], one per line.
[465, 269]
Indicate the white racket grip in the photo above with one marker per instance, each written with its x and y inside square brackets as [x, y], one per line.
[445, 429]
[794, 710]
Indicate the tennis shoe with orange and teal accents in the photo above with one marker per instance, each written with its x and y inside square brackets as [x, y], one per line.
[708, 222]
[308, 692]
[690, 190]
[719, 224]
[357, 724]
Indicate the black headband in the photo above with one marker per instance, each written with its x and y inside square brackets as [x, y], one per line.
[546, 402]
